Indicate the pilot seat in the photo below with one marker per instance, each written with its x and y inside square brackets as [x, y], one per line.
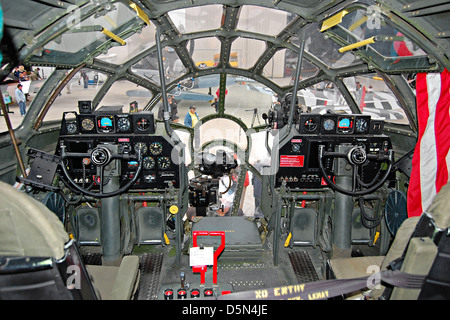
[421, 247]
[38, 259]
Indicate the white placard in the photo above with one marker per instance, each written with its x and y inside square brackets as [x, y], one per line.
[201, 257]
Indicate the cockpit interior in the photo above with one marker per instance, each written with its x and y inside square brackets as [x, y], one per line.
[224, 150]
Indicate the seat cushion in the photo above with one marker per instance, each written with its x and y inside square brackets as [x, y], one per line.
[116, 283]
[347, 268]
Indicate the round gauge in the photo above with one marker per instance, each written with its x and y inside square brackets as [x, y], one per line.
[87, 124]
[71, 127]
[125, 147]
[148, 162]
[140, 146]
[328, 125]
[142, 124]
[163, 163]
[310, 124]
[156, 148]
[361, 125]
[296, 147]
[123, 124]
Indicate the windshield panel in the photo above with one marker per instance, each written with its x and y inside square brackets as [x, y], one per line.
[136, 44]
[374, 97]
[86, 83]
[197, 19]
[85, 32]
[262, 20]
[31, 82]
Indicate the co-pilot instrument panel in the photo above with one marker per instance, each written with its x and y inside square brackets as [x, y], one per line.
[299, 157]
[124, 134]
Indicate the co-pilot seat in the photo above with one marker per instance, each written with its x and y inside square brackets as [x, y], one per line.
[418, 251]
[38, 260]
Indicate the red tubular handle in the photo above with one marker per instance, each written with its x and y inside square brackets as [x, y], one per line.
[217, 253]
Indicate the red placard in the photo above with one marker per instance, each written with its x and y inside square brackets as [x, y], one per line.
[292, 161]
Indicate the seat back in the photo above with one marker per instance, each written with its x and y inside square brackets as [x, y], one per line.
[37, 258]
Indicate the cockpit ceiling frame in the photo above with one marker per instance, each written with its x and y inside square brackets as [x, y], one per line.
[157, 12]
[30, 38]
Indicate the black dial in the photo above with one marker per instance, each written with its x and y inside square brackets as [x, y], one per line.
[163, 163]
[87, 124]
[310, 124]
[142, 124]
[125, 147]
[140, 146]
[149, 163]
[71, 127]
[123, 124]
[328, 125]
[361, 125]
[156, 148]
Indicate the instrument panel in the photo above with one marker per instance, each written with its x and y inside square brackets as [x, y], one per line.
[339, 124]
[299, 157]
[126, 134]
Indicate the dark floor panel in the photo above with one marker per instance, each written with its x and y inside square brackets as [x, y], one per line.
[151, 264]
[303, 266]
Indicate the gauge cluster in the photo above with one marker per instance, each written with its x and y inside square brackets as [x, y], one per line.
[113, 123]
[298, 164]
[339, 124]
[129, 134]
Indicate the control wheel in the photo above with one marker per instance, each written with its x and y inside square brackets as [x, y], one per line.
[100, 156]
[357, 156]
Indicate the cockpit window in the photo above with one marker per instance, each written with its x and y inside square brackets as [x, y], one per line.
[31, 85]
[197, 19]
[389, 42]
[376, 39]
[247, 52]
[262, 20]
[137, 43]
[148, 68]
[81, 33]
[325, 50]
[321, 97]
[85, 83]
[126, 94]
[205, 52]
[282, 66]
[374, 98]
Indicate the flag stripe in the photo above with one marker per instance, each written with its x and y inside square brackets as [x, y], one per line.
[431, 155]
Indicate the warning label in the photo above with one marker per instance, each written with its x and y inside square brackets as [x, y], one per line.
[292, 161]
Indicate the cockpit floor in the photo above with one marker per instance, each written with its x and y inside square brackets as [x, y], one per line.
[158, 270]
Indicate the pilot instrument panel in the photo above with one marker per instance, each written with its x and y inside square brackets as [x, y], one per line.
[299, 156]
[124, 134]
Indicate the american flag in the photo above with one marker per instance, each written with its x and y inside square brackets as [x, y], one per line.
[431, 160]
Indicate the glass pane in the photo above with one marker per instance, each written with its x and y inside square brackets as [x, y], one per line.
[205, 52]
[83, 86]
[262, 20]
[122, 93]
[321, 97]
[197, 19]
[199, 92]
[282, 67]
[324, 49]
[247, 52]
[366, 23]
[374, 97]
[88, 31]
[148, 68]
[31, 81]
[247, 100]
[135, 44]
